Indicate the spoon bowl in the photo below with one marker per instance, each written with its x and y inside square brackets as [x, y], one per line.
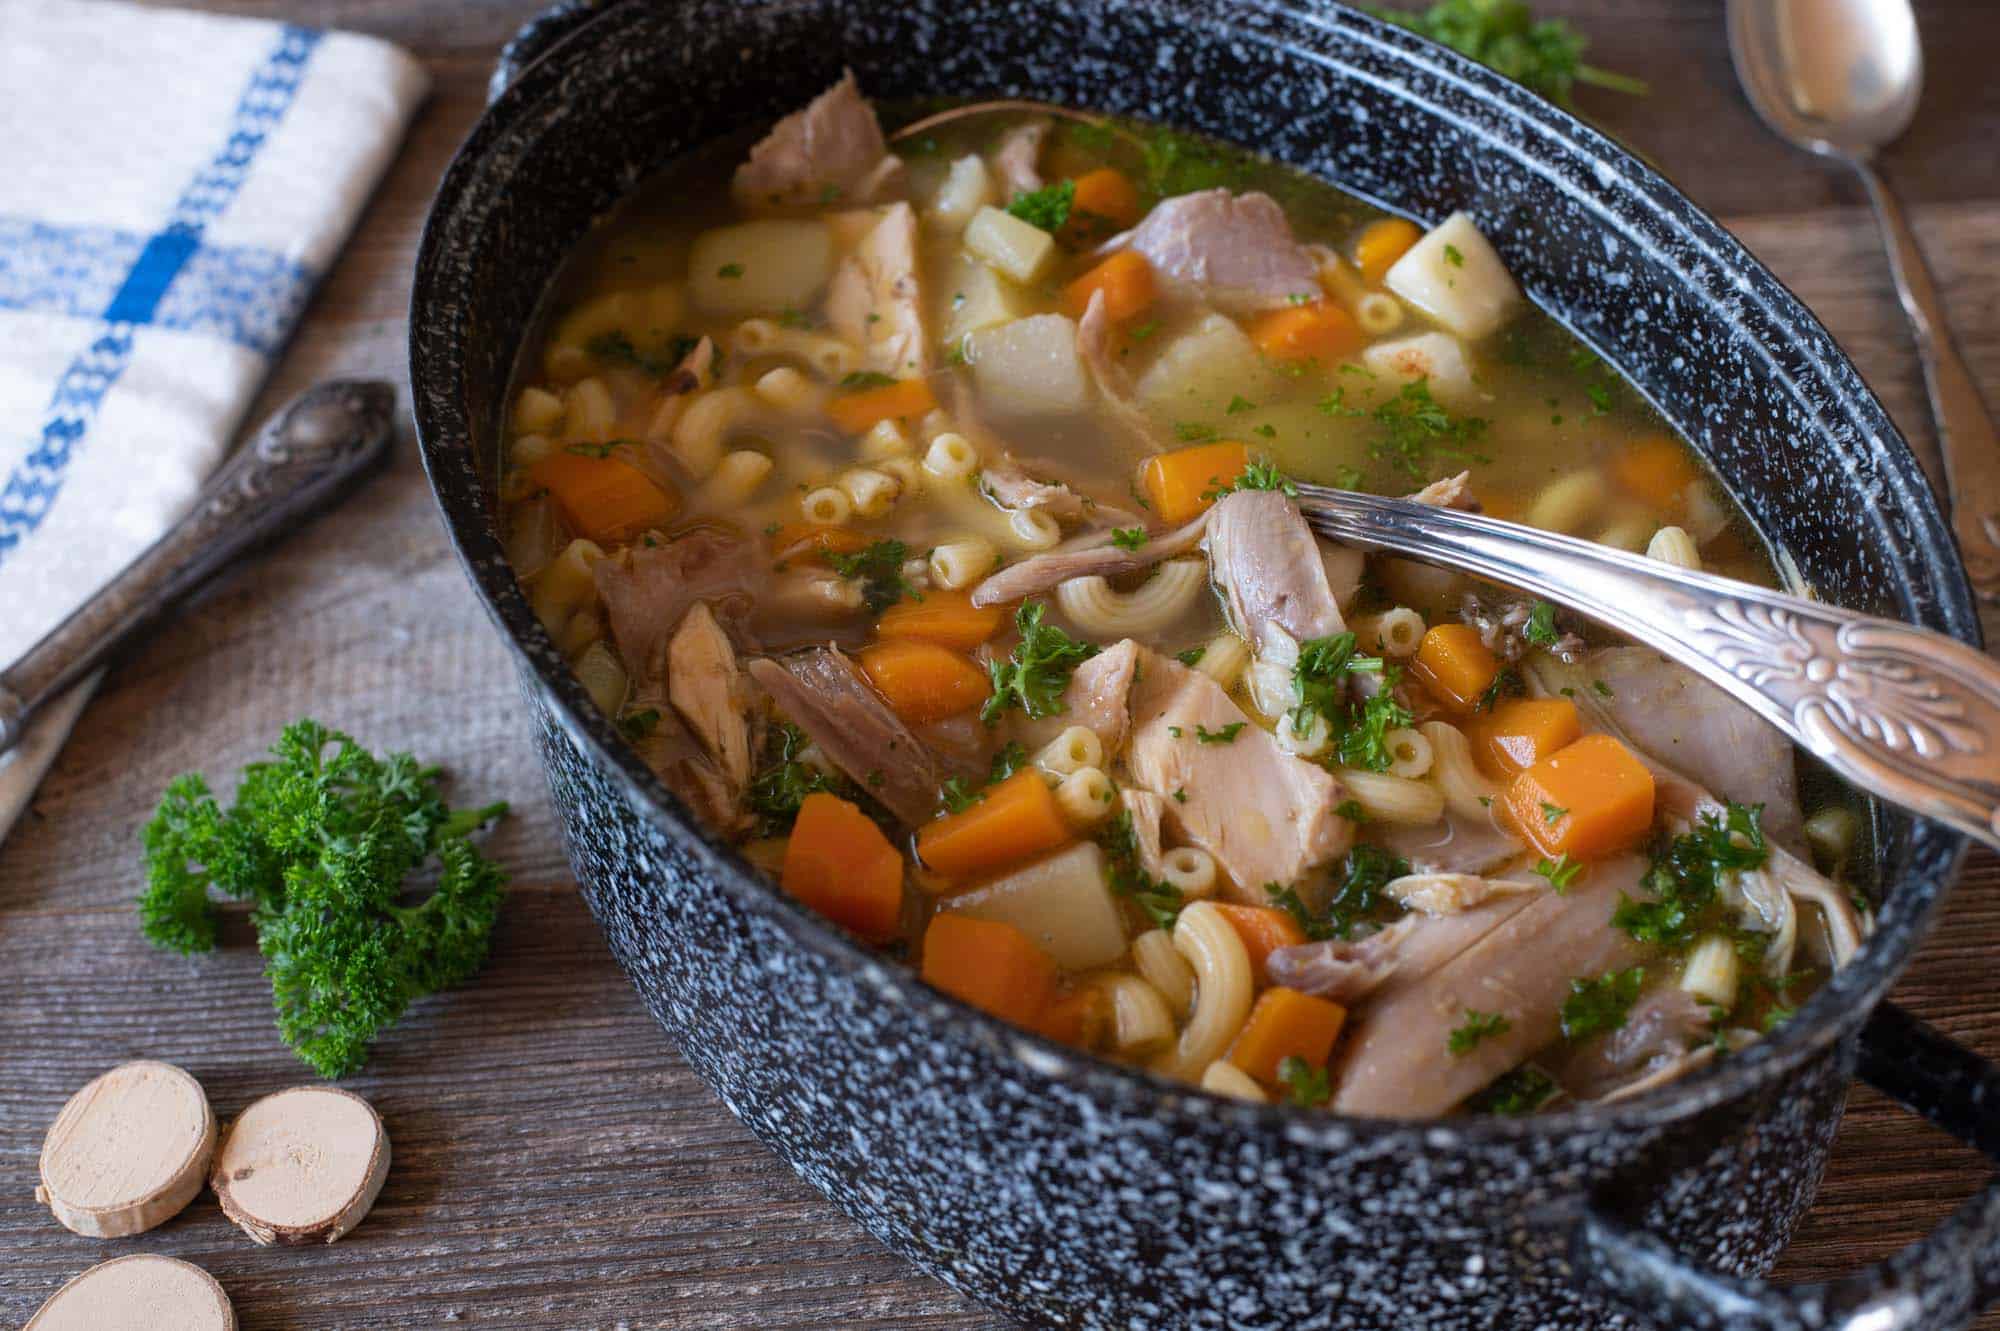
[1840, 78]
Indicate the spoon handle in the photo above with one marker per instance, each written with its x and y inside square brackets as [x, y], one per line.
[302, 458]
[1966, 435]
[1908, 714]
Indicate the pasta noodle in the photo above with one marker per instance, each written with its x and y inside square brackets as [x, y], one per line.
[1033, 529]
[1394, 633]
[885, 439]
[1308, 743]
[829, 357]
[1075, 749]
[1154, 956]
[538, 411]
[1163, 598]
[1410, 754]
[1204, 936]
[1393, 799]
[736, 477]
[1225, 1078]
[909, 473]
[872, 492]
[1564, 505]
[1378, 313]
[1224, 659]
[530, 449]
[1189, 871]
[951, 457]
[708, 421]
[602, 677]
[589, 414]
[1140, 1021]
[566, 585]
[1085, 797]
[828, 506]
[1466, 789]
[957, 565]
[791, 392]
[1672, 545]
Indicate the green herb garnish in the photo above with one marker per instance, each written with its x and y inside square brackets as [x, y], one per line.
[1541, 628]
[1161, 902]
[1543, 55]
[1128, 538]
[1560, 871]
[1047, 207]
[1600, 1004]
[1522, 1091]
[879, 567]
[856, 380]
[640, 724]
[1035, 675]
[730, 270]
[1416, 429]
[1309, 1086]
[1226, 735]
[1477, 1026]
[1688, 872]
[781, 786]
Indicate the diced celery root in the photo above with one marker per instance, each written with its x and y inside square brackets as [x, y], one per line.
[760, 267]
[1029, 367]
[1457, 278]
[976, 297]
[1063, 903]
[1438, 358]
[1202, 368]
[1018, 249]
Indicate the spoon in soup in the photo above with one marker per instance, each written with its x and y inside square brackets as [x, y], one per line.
[1902, 712]
[1840, 78]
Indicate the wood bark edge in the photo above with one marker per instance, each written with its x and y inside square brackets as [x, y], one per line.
[346, 1216]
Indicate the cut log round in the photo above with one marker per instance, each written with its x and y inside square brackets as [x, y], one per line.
[128, 1151]
[143, 1292]
[301, 1166]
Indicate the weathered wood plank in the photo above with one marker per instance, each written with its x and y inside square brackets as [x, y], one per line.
[514, 1198]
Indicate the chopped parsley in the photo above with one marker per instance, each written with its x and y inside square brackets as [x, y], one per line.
[638, 725]
[1453, 257]
[1522, 1091]
[1553, 813]
[730, 270]
[1265, 431]
[1192, 656]
[856, 380]
[879, 567]
[1141, 331]
[1477, 1026]
[1238, 405]
[598, 451]
[1193, 432]
[1128, 538]
[1161, 902]
[1600, 1004]
[1602, 689]
[1541, 628]
[1542, 55]
[1352, 811]
[1560, 871]
[1226, 735]
[1365, 741]
[1265, 476]
[1356, 896]
[1309, 1086]
[957, 797]
[1037, 672]
[791, 318]
[1361, 731]
[778, 790]
[1416, 429]
[616, 348]
[1687, 874]
[1047, 207]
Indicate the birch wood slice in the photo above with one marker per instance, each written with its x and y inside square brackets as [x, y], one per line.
[128, 1151]
[143, 1292]
[301, 1166]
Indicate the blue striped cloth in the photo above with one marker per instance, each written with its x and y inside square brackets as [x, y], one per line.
[172, 186]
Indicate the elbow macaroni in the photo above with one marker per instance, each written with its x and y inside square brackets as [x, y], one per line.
[1085, 797]
[1148, 608]
[1154, 956]
[1393, 799]
[1204, 936]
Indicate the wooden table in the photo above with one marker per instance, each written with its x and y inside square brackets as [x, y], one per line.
[556, 1164]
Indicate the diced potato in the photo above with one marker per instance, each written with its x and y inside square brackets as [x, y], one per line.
[1455, 277]
[1202, 370]
[1029, 367]
[975, 297]
[1019, 249]
[760, 267]
[1436, 357]
[1063, 903]
[967, 187]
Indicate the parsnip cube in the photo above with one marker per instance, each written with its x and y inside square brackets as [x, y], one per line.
[1029, 367]
[1062, 903]
[760, 267]
[1711, 974]
[1436, 357]
[1018, 249]
[1457, 278]
[1202, 370]
[975, 297]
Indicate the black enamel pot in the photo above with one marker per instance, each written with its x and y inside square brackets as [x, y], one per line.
[1064, 1191]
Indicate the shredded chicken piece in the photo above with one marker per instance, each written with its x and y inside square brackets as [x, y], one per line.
[874, 301]
[1268, 563]
[1504, 629]
[1453, 893]
[834, 144]
[674, 393]
[1657, 1033]
[1233, 251]
[1014, 161]
[1114, 384]
[1095, 554]
[709, 691]
[1146, 810]
[1342, 970]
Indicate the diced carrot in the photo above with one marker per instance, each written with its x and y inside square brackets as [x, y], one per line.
[1018, 820]
[1263, 932]
[1455, 666]
[1180, 484]
[811, 540]
[857, 412]
[1104, 196]
[1381, 244]
[1656, 470]
[947, 618]
[604, 498]
[923, 681]
[839, 863]
[1319, 330]
[1520, 732]
[1587, 800]
[1286, 1024]
[1080, 1018]
[1126, 280]
[993, 966]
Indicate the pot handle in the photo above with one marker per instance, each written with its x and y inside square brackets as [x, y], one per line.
[532, 40]
[1938, 1282]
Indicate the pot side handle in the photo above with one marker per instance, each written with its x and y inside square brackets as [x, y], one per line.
[533, 39]
[1937, 1283]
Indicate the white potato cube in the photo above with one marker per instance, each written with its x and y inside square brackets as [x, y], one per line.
[973, 297]
[1018, 249]
[967, 187]
[1200, 371]
[1437, 357]
[1029, 367]
[1457, 278]
[760, 267]
[1062, 902]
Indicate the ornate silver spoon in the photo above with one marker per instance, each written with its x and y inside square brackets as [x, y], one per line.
[1902, 712]
[302, 458]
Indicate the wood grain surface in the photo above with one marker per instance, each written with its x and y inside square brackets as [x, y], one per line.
[556, 1164]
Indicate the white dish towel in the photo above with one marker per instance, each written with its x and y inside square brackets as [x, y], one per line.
[172, 185]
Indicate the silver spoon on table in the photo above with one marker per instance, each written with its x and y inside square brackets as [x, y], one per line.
[1841, 78]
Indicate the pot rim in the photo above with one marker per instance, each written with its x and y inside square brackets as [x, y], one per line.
[1924, 556]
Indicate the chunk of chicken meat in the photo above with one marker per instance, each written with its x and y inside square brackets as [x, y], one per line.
[709, 691]
[1398, 1061]
[1016, 160]
[1264, 814]
[1095, 554]
[874, 300]
[1232, 251]
[1114, 383]
[1659, 1030]
[827, 697]
[1455, 844]
[648, 590]
[834, 144]
[1268, 564]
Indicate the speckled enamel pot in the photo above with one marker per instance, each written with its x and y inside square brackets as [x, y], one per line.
[1067, 1192]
